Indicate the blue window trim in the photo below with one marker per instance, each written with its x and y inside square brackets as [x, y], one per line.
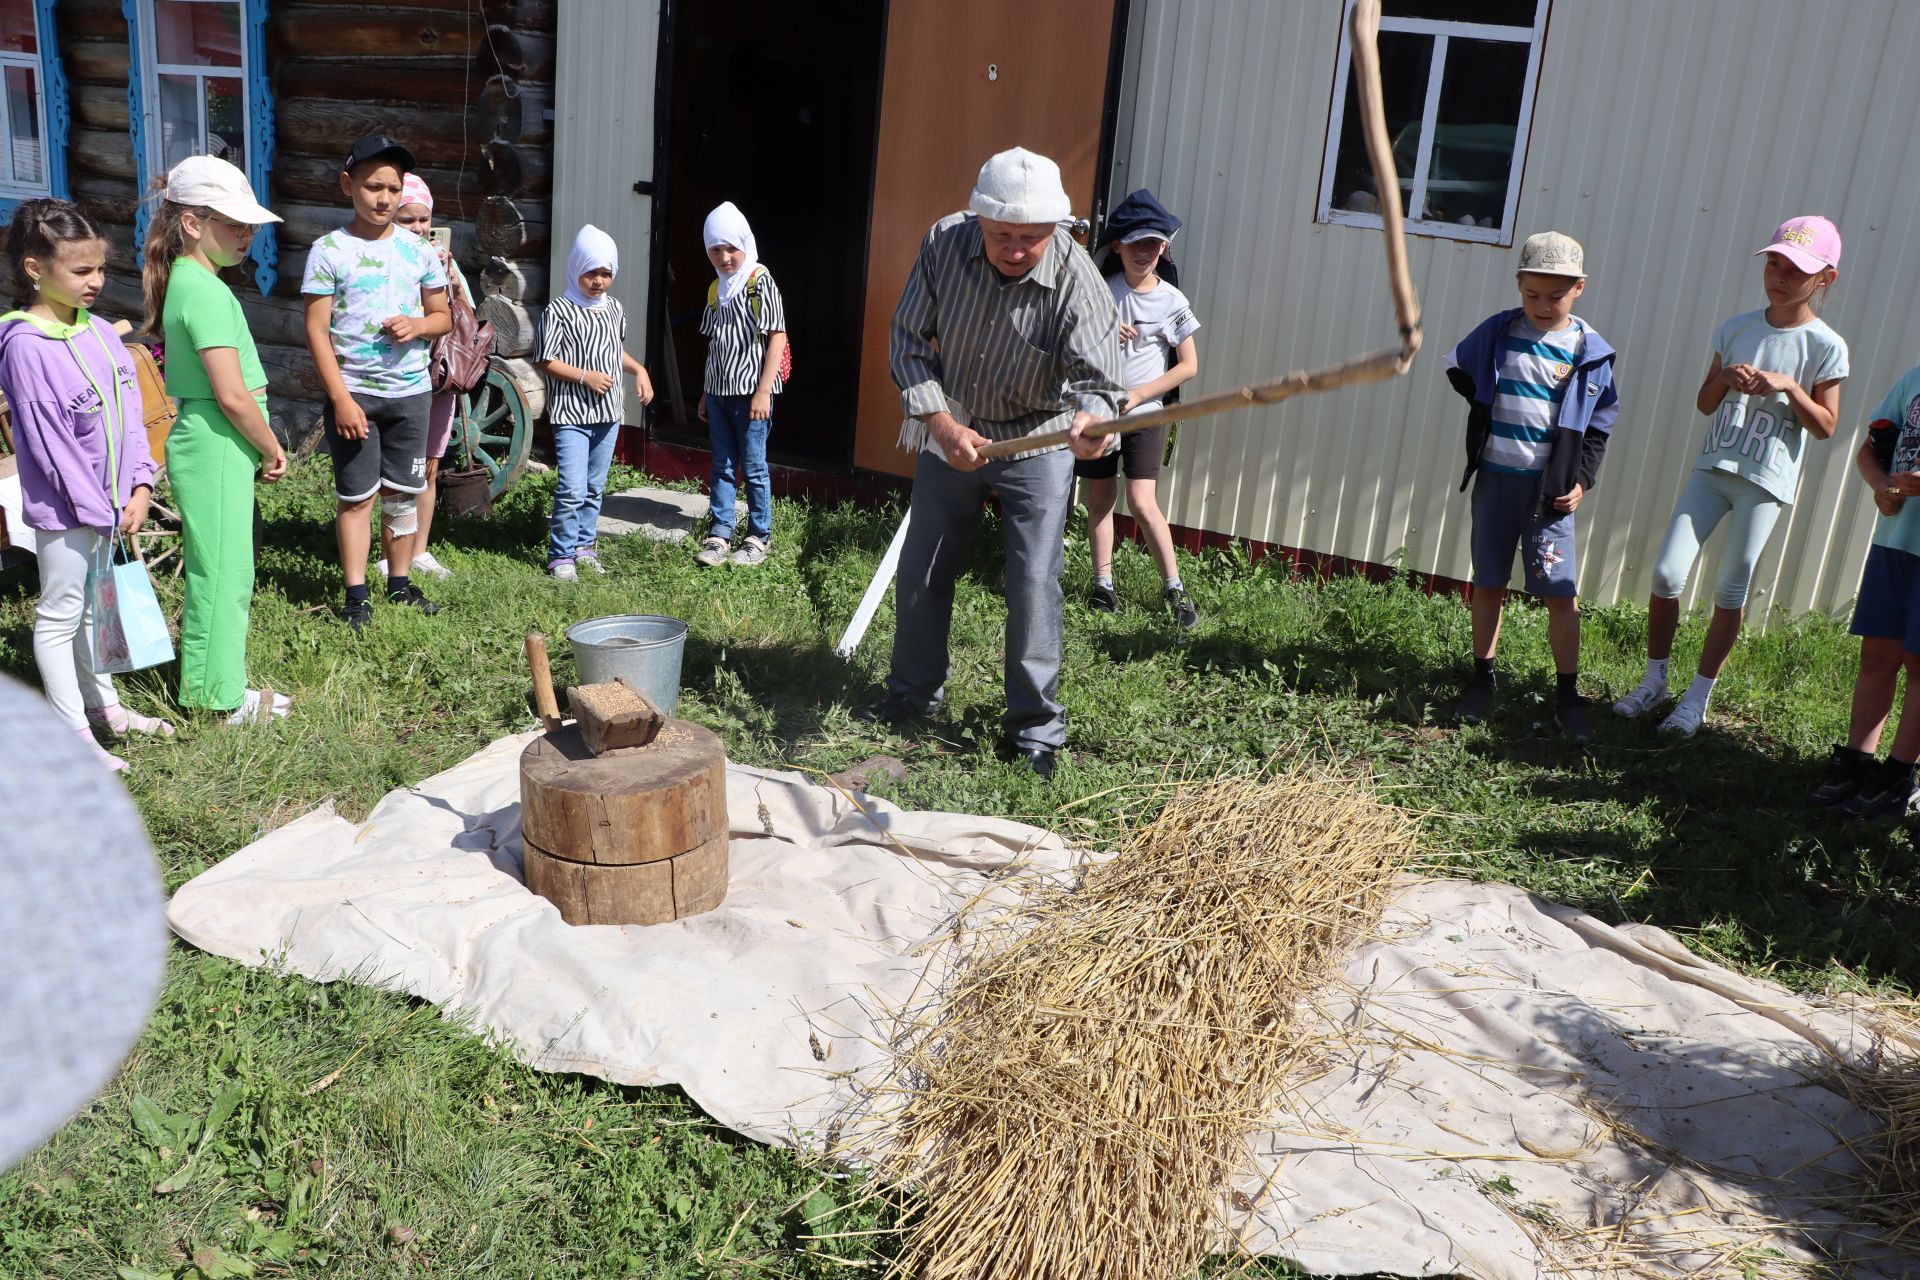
[53, 85]
[265, 250]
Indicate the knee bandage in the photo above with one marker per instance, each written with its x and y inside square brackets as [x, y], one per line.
[400, 515]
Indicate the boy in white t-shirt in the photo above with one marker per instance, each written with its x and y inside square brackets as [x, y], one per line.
[1157, 325]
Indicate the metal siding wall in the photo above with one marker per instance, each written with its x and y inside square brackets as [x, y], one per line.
[1669, 138]
[603, 136]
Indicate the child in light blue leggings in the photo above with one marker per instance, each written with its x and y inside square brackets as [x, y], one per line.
[1774, 381]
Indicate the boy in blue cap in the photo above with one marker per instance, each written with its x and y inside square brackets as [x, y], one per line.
[1157, 325]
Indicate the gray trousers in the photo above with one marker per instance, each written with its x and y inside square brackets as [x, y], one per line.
[1034, 493]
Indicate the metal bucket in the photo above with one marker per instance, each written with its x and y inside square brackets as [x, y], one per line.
[644, 649]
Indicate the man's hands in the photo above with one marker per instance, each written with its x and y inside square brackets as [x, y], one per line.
[349, 419]
[1084, 446]
[960, 444]
[1571, 500]
[1901, 485]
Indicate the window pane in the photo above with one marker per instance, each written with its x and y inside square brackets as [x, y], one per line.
[227, 120]
[179, 119]
[23, 115]
[1499, 13]
[181, 98]
[197, 33]
[1405, 61]
[1475, 135]
[18, 31]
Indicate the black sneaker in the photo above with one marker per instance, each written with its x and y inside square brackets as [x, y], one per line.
[893, 711]
[1573, 719]
[413, 596]
[1103, 600]
[1181, 603]
[1847, 769]
[358, 614]
[1476, 703]
[1887, 792]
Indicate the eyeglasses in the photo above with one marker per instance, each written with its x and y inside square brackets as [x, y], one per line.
[238, 228]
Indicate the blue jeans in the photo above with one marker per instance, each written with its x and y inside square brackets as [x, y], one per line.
[584, 453]
[739, 445]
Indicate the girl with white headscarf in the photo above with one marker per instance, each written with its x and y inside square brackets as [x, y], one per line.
[580, 347]
[746, 327]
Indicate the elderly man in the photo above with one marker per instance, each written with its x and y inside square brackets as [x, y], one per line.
[1004, 330]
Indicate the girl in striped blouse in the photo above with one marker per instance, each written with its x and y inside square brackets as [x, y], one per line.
[746, 328]
[580, 347]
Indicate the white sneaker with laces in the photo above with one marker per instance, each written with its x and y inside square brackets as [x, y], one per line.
[1686, 718]
[249, 710]
[425, 563]
[1643, 698]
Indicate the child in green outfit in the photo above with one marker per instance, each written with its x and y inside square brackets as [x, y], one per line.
[221, 440]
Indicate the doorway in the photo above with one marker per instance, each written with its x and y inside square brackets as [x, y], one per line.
[777, 110]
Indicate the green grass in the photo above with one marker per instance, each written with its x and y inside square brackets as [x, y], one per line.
[430, 1152]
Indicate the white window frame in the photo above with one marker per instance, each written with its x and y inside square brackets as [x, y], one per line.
[36, 62]
[151, 69]
[1416, 198]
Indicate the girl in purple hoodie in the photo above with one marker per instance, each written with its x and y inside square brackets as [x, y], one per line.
[85, 469]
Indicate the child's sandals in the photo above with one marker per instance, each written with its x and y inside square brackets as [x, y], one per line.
[118, 722]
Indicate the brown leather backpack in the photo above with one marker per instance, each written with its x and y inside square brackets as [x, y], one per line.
[458, 359]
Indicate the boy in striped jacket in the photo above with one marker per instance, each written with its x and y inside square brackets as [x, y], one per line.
[580, 348]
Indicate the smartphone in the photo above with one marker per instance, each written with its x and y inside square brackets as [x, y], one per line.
[440, 238]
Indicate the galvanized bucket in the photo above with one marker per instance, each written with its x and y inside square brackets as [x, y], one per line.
[644, 649]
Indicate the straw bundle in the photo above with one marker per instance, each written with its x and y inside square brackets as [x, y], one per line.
[1885, 1083]
[1080, 1096]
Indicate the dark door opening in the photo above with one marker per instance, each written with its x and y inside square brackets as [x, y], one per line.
[778, 111]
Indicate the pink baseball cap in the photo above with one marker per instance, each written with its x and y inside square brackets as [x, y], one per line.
[1811, 244]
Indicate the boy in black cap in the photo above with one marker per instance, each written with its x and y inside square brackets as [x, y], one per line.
[374, 299]
[1157, 325]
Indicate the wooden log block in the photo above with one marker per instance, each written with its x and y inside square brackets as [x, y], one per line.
[614, 714]
[512, 326]
[533, 387]
[327, 127]
[104, 199]
[321, 31]
[456, 193]
[97, 61]
[501, 173]
[290, 371]
[445, 85]
[511, 229]
[106, 152]
[524, 55]
[100, 106]
[516, 279]
[508, 110]
[638, 805]
[92, 20]
[649, 893]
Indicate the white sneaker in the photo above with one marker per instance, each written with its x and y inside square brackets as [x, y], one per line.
[713, 551]
[1686, 718]
[425, 563]
[590, 561]
[563, 571]
[249, 711]
[1644, 698]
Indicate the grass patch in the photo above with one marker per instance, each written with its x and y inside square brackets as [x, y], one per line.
[433, 1153]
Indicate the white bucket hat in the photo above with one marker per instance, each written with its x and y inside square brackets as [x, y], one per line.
[1020, 186]
[207, 182]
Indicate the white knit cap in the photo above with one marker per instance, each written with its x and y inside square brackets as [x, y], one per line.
[1020, 186]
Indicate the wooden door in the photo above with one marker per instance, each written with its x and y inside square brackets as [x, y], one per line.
[962, 81]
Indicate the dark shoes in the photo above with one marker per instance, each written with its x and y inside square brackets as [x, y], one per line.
[358, 614]
[1847, 770]
[1476, 703]
[412, 596]
[1573, 719]
[1042, 760]
[1184, 613]
[1886, 792]
[1103, 600]
[893, 711]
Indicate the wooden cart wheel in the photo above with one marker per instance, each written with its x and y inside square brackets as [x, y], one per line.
[496, 423]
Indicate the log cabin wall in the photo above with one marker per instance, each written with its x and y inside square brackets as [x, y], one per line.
[467, 85]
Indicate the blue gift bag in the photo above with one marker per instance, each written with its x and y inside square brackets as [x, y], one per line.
[129, 630]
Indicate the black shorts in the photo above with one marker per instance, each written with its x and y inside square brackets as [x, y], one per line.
[392, 456]
[1140, 452]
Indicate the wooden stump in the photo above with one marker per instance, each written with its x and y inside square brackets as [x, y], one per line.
[631, 806]
[646, 893]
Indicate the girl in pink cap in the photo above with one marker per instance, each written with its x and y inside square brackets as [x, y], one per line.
[415, 213]
[1775, 380]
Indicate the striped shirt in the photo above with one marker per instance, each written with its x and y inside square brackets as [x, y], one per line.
[737, 338]
[1017, 355]
[1533, 370]
[592, 339]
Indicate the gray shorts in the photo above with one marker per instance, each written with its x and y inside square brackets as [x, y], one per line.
[394, 453]
[1505, 520]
